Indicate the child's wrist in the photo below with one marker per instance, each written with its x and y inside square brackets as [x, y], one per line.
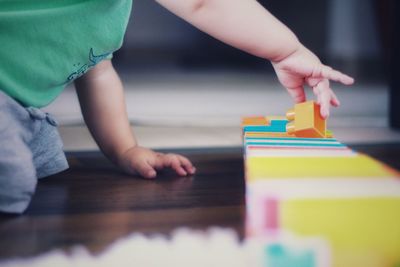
[119, 156]
[295, 48]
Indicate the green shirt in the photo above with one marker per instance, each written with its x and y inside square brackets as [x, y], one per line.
[45, 44]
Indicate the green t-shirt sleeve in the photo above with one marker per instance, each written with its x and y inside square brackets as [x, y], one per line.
[110, 56]
[46, 44]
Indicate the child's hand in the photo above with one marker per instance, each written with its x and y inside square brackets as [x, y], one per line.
[303, 67]
[145, 162]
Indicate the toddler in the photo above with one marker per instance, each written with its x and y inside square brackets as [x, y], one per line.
[47, 44]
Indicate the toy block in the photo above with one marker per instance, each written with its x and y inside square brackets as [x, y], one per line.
[281, 255]
[305, 120]
[263, 121]
[256, 120]
[260, 124]
[357, 167]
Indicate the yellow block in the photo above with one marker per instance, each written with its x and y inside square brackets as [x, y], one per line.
[360, 166]
[306, 120]
[361, 231]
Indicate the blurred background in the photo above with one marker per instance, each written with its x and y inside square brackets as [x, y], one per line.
[185, 89]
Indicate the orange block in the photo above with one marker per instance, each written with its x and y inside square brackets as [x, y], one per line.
[305, 120]
[256, 120]
[260, 120]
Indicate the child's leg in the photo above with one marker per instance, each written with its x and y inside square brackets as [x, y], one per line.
[30, 147]
[46, 145]
[17, 172]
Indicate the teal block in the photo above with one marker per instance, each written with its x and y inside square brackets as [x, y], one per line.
[263, 129]
[278, 122]
[276, 126]
[278, 255]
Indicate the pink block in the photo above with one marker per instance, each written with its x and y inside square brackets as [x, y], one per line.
[271, 214]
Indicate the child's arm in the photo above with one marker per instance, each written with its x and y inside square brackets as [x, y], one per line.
[246, 25]
[101, 97]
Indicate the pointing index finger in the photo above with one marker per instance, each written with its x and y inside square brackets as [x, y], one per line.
[335, 75]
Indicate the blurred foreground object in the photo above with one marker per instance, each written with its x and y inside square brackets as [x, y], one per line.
[312, 186]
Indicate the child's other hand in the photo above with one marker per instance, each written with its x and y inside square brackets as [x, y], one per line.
[145, 162]
[304, 68]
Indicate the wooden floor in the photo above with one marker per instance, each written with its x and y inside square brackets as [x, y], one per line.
[94, 204]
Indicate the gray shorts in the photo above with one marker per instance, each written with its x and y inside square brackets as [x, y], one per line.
[30, 148]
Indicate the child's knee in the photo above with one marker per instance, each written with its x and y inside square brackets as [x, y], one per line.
[17, 180]
[15, 197]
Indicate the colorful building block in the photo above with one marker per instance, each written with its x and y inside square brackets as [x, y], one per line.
[302, 182]
[282, 256]
[271, 124]
[255, 120]
[305, 120]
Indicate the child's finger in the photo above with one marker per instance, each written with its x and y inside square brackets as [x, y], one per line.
[187, 164]
[317, 93]
[323, 93]
[323, 71]
[297, 94]
[145, 169]
[334, 100]
[159, 161]
[172, 161]
[176, 165]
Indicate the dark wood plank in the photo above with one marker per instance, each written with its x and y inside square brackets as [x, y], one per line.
[388, 153]
[94, 204]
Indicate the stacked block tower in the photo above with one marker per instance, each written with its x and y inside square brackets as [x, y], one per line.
[303, 183]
